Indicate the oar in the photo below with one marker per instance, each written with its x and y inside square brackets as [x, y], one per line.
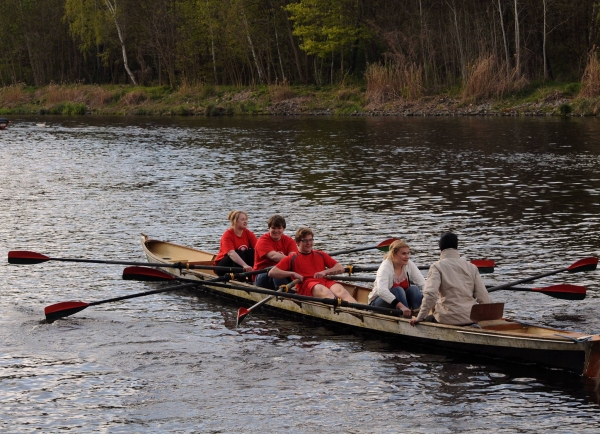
[139, 273]
[483, 265]
[586, 264]
[384, 246]
[26, 257]
[563, 291]
[66, 308]
[243, 312]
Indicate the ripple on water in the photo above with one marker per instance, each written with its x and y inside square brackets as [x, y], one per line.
[175, 363]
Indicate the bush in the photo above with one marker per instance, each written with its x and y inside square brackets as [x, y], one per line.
[565, 109]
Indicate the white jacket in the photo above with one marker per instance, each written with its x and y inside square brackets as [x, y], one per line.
[385, 280]
[453, 287]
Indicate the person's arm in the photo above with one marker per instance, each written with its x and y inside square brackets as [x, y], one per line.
[236, 258]
[416, 277]
[278, 273]
[431, 293]
[384, 282]
[336, 269]
[275, 256]
[480, 292]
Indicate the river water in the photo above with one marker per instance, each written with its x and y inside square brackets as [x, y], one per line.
[524, 192]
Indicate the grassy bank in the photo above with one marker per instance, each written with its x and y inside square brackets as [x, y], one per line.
[535, 99]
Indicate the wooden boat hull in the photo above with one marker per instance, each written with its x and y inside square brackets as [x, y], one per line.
[504, 338]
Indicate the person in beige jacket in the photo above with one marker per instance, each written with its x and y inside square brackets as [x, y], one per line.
[453, 286]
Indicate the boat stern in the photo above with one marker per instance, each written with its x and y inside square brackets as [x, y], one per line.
[592, 360]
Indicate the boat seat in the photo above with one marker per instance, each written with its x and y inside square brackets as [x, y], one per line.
[486, 312]
[201, 262]
[176, 260]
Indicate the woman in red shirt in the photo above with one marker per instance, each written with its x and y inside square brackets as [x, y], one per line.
[237, 244]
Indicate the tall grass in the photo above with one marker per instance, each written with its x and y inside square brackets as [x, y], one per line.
[590, 82]
[490, 78]
[13, 95]
[391, 81]
[281, 91]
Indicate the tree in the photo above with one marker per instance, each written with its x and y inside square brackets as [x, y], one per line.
[88, 21]
[327, 26]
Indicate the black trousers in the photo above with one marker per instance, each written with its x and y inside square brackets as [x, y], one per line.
[247, 255]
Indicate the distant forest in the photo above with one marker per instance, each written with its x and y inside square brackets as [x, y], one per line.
[429, 44]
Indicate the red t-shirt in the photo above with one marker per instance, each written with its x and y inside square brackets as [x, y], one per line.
[307, 265]
[266, 244]
[230, 241]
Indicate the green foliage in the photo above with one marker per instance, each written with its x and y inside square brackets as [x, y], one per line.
[158, 92]
[89, 24]
[326, 26]
[181, 110]
[565, 109]
[65, 108]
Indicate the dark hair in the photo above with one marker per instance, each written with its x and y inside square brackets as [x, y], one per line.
[276, 221]
[448, 241]
[301, 233]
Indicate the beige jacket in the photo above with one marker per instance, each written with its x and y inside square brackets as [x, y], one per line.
[453, 286]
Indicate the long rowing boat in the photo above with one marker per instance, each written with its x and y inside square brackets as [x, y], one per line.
[501, 338]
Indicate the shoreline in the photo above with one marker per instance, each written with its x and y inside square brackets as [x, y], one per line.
[279, 100]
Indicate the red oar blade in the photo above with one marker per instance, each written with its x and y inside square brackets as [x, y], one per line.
[26, 257]
[585, 264]
[384, 246]
[66, 308]
[485, 266]
[146, 274]
[564, 291]
[242, 313]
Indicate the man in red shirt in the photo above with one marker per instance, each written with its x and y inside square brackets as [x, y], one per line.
[271, 248]
[311, 267]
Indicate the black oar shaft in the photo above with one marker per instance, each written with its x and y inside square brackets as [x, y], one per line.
[179, 265]
[525, 280]
[143, 294]
[358, 249]
[328, 301]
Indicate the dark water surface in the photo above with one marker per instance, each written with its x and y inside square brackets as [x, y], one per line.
[524, 192]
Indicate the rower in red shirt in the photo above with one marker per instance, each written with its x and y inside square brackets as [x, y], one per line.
[271, 248]
[311, 267]
[237, 244]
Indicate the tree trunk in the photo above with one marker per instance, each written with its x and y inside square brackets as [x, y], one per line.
[463, 65]
[517, 42]
[301, 76]
[259, 70]
[506, 55]
[212, 44]
[113, 11]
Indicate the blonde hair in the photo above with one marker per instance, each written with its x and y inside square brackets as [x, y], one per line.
[394, 247]
[233, 216]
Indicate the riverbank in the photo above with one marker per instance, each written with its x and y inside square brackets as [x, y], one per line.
[286, 100]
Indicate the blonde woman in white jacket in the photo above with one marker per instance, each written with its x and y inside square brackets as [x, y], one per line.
[399, 282]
